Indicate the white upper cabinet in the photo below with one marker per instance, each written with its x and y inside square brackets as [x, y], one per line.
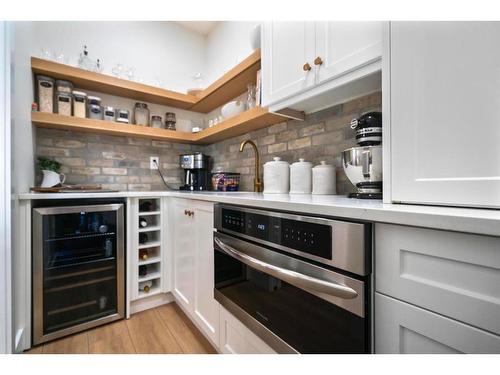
[445, 113]
[311, 65]
[344, 46]
[288, 47]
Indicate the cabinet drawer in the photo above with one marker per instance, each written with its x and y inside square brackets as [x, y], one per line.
[404, 328]
[454, 274]
[235, 338]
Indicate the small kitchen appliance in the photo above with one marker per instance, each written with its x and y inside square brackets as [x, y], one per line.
[363, 167]
[363, 164]
[78, 266]
[196, 175]
[368, 129]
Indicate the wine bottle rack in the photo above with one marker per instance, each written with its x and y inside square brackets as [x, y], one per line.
[148, 249]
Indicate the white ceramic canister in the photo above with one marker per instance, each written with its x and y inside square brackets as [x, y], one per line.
[324, 179]
[276, 176]
[301, 177]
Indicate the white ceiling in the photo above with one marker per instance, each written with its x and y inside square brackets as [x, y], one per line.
[201, 27]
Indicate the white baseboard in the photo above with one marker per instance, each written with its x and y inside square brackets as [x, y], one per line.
[150, 302]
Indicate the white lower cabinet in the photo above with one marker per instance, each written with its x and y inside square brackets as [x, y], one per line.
[404, 328]
[437, 291]
[193, 264]
[235, 338]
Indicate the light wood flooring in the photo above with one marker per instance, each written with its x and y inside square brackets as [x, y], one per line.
[164, 329]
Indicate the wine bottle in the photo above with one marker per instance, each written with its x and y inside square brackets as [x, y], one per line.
[143, 223]
[143, 254]
[146, 286]
[143, 238]
[147, 206]
[143, 270]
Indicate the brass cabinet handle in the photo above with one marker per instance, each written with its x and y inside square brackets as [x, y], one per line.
[318, 61]
[306, 67]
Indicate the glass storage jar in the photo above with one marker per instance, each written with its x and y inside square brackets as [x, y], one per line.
[94, 109]
[109, 114]
[63, 103]
[79, 104]
[45, 89]
[64, 86]
[123, 116]
[170, 121]
[141, 114]
[156, 122]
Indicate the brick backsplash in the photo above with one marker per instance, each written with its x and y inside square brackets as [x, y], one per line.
[120, 163]
[123, 163]
[322, 136]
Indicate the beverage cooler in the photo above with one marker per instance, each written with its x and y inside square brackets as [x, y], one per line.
[78, 268]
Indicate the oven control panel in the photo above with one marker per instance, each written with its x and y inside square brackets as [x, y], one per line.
[308, 235]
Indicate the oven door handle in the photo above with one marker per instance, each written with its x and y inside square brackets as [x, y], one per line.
[297, 279]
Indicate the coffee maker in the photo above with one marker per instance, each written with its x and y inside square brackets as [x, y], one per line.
[195, 171]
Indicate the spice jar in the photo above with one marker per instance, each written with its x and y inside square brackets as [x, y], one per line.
[45, 88]
[79, 104]
[170, 121]
[109, 114]
[156, 122]
[123, 116]
[141, 114]
[64, 86]
[63, 102]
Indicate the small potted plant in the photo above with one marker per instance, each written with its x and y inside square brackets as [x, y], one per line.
[50, 169]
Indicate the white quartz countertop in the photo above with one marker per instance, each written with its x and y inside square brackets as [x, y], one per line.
[470, 220]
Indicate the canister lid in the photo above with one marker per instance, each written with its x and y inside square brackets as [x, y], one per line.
[302, 163]
[44, 78]
[323, 165]
[79, 93]
[276, 160]
[94, 98]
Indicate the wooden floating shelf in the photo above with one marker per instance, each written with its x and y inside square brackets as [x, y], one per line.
[229, 86]
[245, 122]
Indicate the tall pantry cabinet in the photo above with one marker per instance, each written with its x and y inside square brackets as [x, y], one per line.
[444, 113]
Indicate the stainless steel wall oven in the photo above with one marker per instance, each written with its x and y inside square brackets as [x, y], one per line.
[301, 283]
[78, 266]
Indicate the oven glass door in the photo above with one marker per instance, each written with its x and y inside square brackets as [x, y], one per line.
[306, 322]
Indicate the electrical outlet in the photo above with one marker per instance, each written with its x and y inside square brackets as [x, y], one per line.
[152, 160]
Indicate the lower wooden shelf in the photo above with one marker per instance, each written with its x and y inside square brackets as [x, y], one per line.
[253, 119]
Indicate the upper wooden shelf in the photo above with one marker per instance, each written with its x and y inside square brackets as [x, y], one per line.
[245, 122]
[230, 85]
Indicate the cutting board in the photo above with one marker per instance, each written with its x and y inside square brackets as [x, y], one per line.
[70, 189]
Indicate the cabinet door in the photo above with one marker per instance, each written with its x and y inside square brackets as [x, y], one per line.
[404, 328]
[235, 338]
[445, 113]
[184, 253]
[206, 308]
[286, 47]
[345, 46]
